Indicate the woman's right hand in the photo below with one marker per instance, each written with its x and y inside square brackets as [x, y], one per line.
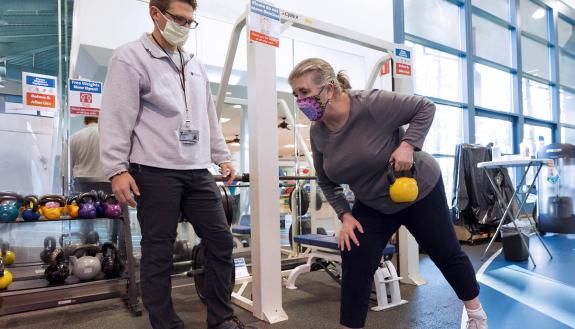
[123, 185]
[347, 233]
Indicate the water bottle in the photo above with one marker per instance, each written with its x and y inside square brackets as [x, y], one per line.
[540, 145]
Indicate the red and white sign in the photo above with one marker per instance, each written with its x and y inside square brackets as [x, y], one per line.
[85, 97]
[385, 69]
[264, 23]
[39, 92]
[403, 63]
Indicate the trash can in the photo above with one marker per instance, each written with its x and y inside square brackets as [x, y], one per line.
[513, 248]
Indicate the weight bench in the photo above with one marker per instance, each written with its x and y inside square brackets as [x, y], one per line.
[325, 248]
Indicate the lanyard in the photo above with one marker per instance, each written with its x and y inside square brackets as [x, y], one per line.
[181, 78]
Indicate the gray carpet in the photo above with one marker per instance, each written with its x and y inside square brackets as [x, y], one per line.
[315, 305]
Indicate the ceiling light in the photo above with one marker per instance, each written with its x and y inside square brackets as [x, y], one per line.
[237, 106]
[539, 13]
[302, 125]
[224, 120]
[291, 146]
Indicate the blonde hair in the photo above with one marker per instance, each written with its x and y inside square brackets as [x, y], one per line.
[322, 74]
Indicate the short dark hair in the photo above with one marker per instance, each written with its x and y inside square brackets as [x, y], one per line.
[88, 120]
[163, 5]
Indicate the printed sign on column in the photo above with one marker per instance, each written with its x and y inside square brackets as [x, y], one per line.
[403, 64]
[85, 97]
[264, 23]
[39, 92]
[385, 69]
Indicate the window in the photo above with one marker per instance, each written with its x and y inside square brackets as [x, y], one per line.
[446, 165]
[566, 34]
[568, 135]
[446, 131]
[536, 99]
[567, 69]
[493, 88]
[500, 132]
[532, 132]
[436, 74]
[435, 20]
[533, 18]
[535, 58]
[499, 8]
[567, 105]
[491, 41]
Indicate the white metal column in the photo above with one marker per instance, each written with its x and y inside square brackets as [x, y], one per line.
[264, 182]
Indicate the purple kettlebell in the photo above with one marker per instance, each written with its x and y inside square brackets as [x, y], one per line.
[87, 203]
[112, 207]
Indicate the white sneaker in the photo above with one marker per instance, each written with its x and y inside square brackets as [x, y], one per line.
[473, 323]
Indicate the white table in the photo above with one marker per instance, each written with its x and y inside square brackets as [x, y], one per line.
[527, 164]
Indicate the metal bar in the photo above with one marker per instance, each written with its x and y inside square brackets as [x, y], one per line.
[246, 178]
[382, 61]
[229, 63]
[468, 73]
[335, 31]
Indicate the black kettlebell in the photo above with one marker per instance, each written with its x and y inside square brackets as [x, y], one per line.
[112, 265]
[57, 272]
[92, 238]
[69, 248]
[49, 246]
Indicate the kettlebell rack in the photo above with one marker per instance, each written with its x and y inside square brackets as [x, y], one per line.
[31, 291]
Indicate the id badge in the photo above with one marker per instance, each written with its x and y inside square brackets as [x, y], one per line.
[189, 136]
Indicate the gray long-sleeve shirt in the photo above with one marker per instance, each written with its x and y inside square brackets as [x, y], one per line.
[358, 153]
[143, 109]
[84, 146]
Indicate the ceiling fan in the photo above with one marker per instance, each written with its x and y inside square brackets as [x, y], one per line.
[284, 124]
[235, 140]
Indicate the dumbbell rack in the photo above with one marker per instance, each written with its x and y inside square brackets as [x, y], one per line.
[30, 291]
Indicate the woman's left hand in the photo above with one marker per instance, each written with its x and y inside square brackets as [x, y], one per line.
[402, 157]
[228, 170]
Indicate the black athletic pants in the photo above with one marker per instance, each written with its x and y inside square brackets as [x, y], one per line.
[164, 194]
[428, 221]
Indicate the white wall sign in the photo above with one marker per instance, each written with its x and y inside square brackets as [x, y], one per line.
[85, 97]
[264, 23]
[403, 64]
[39, 92]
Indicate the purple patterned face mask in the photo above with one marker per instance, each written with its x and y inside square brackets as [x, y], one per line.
[312, 106]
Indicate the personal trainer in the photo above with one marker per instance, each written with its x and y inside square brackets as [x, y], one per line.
[354, 141]
[159, 135]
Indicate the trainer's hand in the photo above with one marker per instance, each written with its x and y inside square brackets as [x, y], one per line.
[403, 157]
[123, 185]
[227, 169]
[350, 224]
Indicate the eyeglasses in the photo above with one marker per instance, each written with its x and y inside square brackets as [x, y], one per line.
[182, 21]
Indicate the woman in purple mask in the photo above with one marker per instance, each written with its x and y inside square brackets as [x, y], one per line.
[355, 141]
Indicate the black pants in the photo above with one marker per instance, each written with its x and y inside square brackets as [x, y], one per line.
[428, 221]
[164, 194]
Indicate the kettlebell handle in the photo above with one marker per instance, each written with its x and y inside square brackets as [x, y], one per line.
[391, 171]
[33, 200]
[52, 198]
[92, 195]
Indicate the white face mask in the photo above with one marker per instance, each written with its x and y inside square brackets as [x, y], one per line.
[174, 34]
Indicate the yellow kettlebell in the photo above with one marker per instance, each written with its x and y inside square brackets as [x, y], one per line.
[402, 189]
[72, 207]
[8, 255]
[5, 276]
[52, 206]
